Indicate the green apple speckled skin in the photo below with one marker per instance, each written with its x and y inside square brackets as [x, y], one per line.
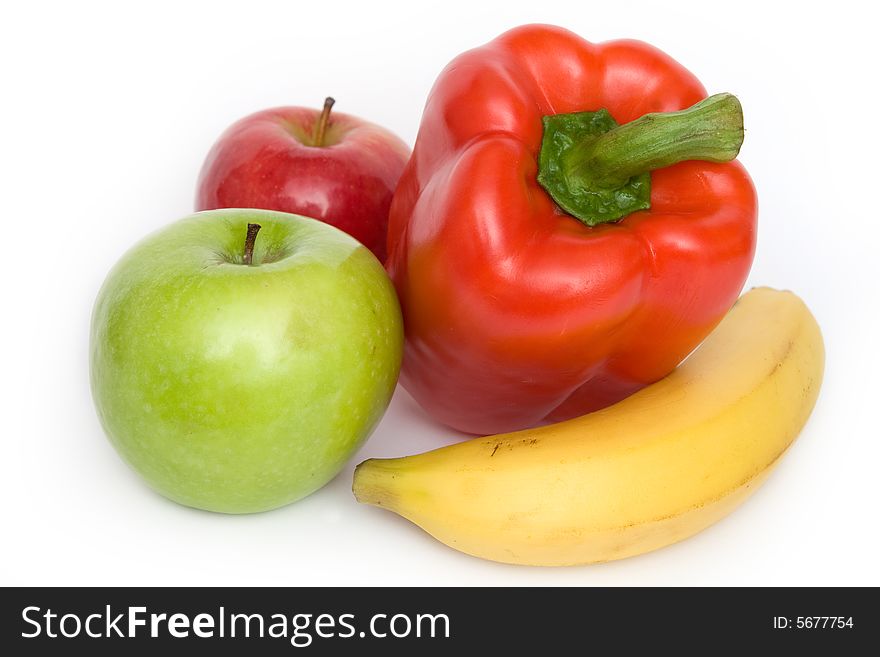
[240, 388]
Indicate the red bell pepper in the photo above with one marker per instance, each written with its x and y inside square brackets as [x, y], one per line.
[552, 254]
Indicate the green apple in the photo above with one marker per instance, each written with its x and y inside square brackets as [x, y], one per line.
[240, 357]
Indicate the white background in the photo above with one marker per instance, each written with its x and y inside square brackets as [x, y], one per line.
[107, 112]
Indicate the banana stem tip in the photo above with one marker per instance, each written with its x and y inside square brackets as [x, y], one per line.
[370, 484]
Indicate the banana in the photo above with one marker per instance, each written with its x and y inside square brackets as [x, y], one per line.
[649, 471]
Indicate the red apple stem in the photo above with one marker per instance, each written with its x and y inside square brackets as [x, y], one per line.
[323, 120]
[249, 241]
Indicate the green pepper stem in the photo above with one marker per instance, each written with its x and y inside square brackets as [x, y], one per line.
[711, 130]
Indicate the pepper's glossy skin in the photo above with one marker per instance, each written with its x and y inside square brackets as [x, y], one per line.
[516, 313]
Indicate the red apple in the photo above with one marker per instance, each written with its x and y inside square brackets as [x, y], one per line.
[339, 169]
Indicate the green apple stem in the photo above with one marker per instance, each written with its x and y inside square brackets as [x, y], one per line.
[249, 241]
[323, 120]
